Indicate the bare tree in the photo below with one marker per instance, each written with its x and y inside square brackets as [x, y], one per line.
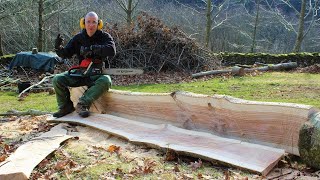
[213, 10]
[299, 38]
[128, 6]
[304, 21]
[273, 26]
[1, 50]
[8, 9]
[41, 22]
[255, 25]
[209, 22]
[45, 12]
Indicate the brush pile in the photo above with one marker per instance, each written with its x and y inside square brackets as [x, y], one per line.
[157, 48]
[313, 69]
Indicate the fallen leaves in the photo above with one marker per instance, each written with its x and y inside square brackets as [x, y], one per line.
[62, 165]
[152, 78]
[114, 149]
[43, 127]
[60, 162]
[176, 168]
[6, 150]
[310, 69]
[232, 175]
[3, 157]
[196, 165]
[148, 167]
[170, 155]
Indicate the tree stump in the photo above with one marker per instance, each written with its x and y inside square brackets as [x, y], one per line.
[309, 141]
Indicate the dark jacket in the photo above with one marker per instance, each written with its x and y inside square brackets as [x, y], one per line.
[102, 42]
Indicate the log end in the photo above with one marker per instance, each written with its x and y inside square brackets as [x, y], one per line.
[309, 141]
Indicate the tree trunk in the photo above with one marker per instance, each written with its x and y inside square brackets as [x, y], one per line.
[40, 28]
[255, 26]
[129, 13]
[209, 22]
[297, 46]
[1, 51]
[128, 8]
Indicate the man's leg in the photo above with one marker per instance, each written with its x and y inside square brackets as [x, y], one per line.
[100, 85]
[61, 82]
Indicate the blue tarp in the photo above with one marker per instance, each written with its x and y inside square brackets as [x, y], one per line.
[40, 61]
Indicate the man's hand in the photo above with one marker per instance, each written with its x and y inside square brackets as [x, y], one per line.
[58, 42]
[86, 52]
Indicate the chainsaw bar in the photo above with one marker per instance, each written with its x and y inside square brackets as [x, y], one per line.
[124, 71]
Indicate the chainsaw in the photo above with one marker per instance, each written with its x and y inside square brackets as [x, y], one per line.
[87, 68]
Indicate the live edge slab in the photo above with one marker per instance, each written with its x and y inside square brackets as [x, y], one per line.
[248, 134]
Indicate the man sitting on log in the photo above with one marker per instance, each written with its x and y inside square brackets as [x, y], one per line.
[91, 46]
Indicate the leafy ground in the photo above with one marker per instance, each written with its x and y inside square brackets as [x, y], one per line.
[98, 155]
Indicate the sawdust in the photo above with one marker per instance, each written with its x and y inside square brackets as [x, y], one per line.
[97, 137]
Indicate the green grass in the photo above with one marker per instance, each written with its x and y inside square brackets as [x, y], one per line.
[299, 88]
[39, 101]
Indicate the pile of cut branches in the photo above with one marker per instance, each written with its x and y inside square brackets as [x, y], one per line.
[313, 69]
[155, 47]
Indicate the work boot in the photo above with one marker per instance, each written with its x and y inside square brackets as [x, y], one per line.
[64, 111]
[82, 110]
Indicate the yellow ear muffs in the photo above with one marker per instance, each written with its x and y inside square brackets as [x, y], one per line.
[82, 24]
[100, 24]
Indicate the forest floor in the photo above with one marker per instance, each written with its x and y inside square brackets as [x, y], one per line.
[99, 155]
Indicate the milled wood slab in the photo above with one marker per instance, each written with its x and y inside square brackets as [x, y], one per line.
[253, 157]
[19, 165]
[266, 123]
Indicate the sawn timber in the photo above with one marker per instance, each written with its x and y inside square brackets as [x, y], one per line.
[270, 126]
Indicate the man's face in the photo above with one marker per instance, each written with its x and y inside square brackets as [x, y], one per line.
[91, 24]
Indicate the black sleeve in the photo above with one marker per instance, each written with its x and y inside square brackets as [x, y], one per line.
[106, 47]
[69, 50]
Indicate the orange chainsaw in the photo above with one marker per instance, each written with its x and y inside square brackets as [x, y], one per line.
[84, 69]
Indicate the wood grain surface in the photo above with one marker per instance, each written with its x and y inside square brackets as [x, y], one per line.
[204, 145]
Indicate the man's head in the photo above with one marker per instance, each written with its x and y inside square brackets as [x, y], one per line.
[91, 23]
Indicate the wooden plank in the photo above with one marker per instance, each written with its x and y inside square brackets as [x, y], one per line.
[266, 123]
[253, 157]
[20, 164]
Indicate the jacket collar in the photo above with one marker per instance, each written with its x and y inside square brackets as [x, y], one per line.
[84, 32]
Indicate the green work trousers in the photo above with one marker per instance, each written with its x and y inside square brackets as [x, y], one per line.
[97, 85]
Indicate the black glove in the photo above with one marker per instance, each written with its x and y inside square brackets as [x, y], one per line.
[96, 49]
[86, 52]
[58, 42]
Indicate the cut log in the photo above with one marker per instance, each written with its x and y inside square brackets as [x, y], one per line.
[31, 112]
[214, 72]
[309, 141]
[275, 125]
[20, 164]
[252, 157]
[241, 70]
